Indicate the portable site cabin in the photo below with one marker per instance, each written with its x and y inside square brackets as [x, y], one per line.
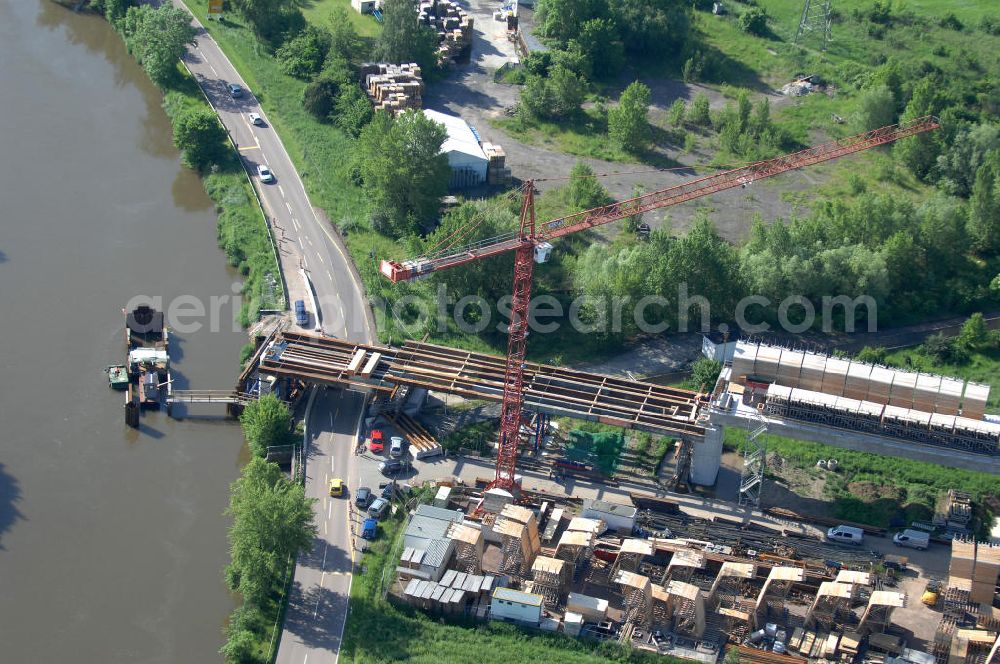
[516, 606]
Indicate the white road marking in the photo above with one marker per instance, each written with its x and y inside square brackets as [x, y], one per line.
[343, 316]
[316, 610]
[306, 659]
[331, 426]
[301, 246]
[329, 276]
[329, 510]
[326, 547]
[309, 240]
[289, 206]
[264, 157]
[320, 257]
[213, 70]
[295, 222]
[331, 458]
[281, 190]
[305, 261]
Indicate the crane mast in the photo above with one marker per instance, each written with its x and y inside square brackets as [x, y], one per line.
[530, 238]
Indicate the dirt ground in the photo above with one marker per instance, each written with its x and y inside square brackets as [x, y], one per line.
[469, 92]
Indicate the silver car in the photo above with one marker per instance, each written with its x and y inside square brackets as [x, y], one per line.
[265, 173]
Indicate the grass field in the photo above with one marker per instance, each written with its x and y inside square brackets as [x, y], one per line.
[318, 12]
[875, 489]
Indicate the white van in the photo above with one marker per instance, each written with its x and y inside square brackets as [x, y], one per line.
[845, 535]
[396, 447]
[915, 539]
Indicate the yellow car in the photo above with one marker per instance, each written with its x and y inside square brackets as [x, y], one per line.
[931, 592]
[336, 487]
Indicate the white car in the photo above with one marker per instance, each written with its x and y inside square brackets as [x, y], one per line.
[265, 173]
[255, 119]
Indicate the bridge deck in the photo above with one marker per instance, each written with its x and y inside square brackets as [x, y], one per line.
[550, 389]
[209, 396]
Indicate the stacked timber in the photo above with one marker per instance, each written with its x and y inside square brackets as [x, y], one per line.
[925, 395]
[856, 385]
[835, 376]
[496, 172]
[973, 572]
[880, 384]
[452, 25]
[393, 88]
[949, 396]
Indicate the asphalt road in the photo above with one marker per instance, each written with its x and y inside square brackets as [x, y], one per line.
[318, 271]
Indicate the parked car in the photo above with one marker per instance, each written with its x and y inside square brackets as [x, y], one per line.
[846, 535]
[336, 487]
[915, 539]
[370, 529]
[931, 593]
[265, 173]
[235, 90]
[378, 508]
[363, 496]
[390, 467]
[375, 444]
[301, 316]
[396, 447]
[255, 119]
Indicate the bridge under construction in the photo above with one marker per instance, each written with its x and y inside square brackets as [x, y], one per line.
[554, 390]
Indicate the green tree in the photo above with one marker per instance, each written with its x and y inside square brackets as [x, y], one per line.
[114, 10]
[352, 110]
[628, 122]
[158, 38]
[319, 97]
[675, 116]
[753, 21]
[584, 191]
[984, 206]
[269, 19]
[200, 138]
[966, 153]
[563, 20]
[345, 42]
[699, 115]
[272, 522]
[403, 39]
[920, 152]
[265, 423]
[403, 170]
[704, 373]
[555, 96]
[974, 332]
[876, 108]
[653, 26]
[602, 50]
[303, 56]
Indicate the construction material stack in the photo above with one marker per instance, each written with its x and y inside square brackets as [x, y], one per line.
[453, 27]
[393, 88]
[496, 174]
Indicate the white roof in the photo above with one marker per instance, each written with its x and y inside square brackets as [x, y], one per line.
[460, 136]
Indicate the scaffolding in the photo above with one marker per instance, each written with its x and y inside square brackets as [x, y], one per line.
[832, 601]
[574, 547]
[682, 566]
[686, 608]
[637, 596]
[771, 599]
[728, 584]
[630, 555]
[550, 579]
[468, 547]
[857, 580]
[754, 461]
[519, 543]
[878, 614]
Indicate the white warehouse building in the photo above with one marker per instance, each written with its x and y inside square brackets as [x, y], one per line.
[465, 155]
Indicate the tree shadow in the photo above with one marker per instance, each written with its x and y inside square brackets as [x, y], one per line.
[3, 257]
[10, 495]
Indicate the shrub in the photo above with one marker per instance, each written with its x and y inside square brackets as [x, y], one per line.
[319, 96]
[753, 21]
[699, 114]
[303, 56]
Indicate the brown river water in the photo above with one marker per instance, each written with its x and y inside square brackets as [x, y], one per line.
[112, 541]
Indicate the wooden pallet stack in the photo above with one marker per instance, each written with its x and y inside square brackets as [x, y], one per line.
[496, 173]
[452, 24]
[393, 88]
[974, 570]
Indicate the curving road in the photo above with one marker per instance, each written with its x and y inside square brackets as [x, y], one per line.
[313, 258]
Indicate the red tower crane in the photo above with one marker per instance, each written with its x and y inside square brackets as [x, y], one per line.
[531, 243]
